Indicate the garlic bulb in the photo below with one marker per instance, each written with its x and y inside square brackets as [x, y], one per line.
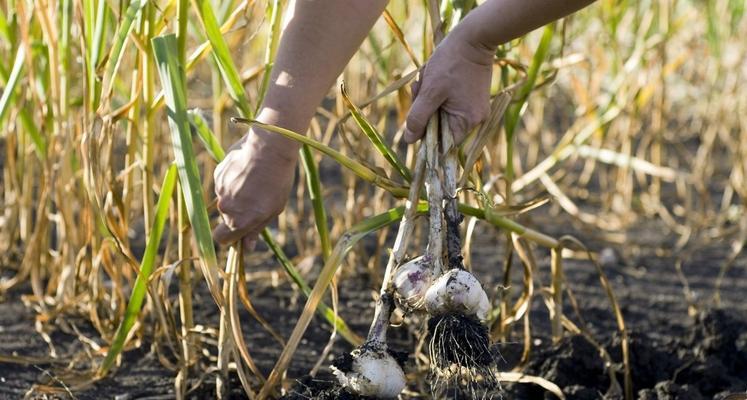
[371, 371]
[457, 291]
[411, 281]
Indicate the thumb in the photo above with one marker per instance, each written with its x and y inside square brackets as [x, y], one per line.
[225, 235]
[423, 108]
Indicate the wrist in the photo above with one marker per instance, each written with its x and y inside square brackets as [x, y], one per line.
[273, 143]
[470, 45]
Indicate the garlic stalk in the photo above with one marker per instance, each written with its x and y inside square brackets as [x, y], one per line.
[372, 369]
[458, 339]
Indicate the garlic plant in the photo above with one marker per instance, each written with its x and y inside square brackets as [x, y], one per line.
[458, 338]
[372, 369]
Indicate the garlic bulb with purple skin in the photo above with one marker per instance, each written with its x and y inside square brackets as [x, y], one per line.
[411, 281]
[457, 291]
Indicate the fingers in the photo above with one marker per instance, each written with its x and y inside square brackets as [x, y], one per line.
[249, 243]
[458, 127]
[424, 106]
[225, 235]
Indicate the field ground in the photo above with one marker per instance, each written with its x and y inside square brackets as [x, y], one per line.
[673, 355]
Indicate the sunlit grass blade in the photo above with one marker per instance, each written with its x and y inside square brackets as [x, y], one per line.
[375, 137]
[146, 267]
[275, 12]
[209, 140]
[40, 142]
[115, 55]
[95, 41]
[314, 187]
[514, 112]
[222, 56]
[172, 79]
[10, 87]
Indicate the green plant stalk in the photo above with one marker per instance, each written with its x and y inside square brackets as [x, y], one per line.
[146, 267]
[314, 186]
[12, 81]
[5, 30]
[123, 31]
[513, 115]
[149, 124]
[184, 248]
[375, 137]
[173, 81]
[222, 56]
[39, 141]
[181, 30]
[95, 49]
[275, 16]
[211, 143]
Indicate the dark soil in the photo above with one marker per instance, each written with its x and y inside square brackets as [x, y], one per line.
[673, 355]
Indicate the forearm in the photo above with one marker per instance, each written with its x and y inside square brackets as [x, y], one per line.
[498, 21]
[319, 39]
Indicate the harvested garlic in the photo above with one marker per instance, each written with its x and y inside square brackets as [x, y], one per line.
[371, 371]
[457, 291]
[411, 281]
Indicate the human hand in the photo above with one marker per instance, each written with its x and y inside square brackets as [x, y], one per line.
[252, 184]
[457, 79]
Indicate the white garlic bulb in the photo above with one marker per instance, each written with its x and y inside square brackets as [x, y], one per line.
[412, 280]
[373, 372]
[457, 291]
